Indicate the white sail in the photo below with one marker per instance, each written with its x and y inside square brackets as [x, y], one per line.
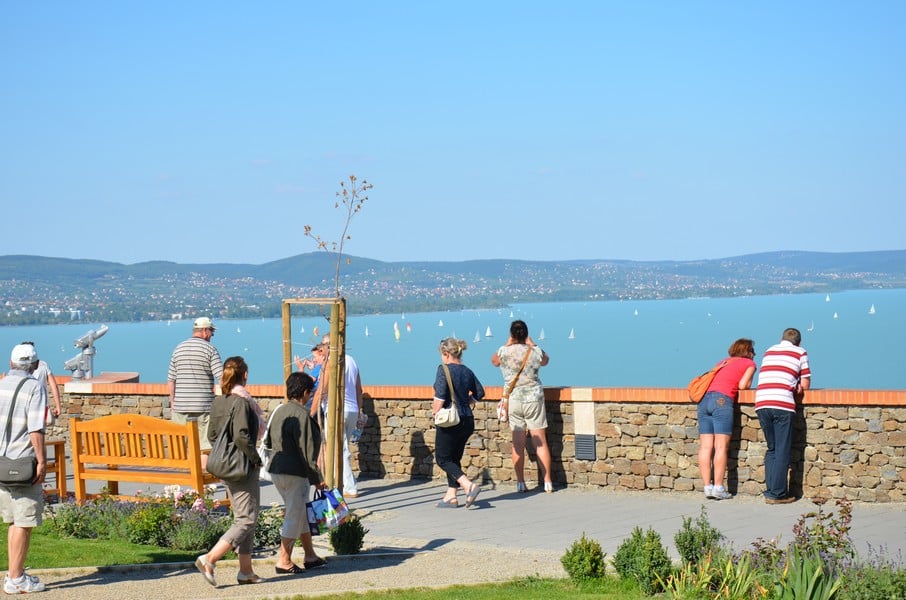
[811, 326]
[871, 310]
[827, 298]
[572, 334]
[366, 331]
[487, 332]
[541, 335]
[635, 313]
[477, 337]
[440, 323]
[836, 316]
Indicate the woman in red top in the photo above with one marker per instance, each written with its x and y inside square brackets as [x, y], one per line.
[715, 415]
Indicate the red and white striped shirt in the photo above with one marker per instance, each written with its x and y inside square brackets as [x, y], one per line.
[782, 367]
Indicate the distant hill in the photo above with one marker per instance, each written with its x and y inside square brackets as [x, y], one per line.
[35, 289]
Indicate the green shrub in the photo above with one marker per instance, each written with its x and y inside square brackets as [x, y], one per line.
[871, 583]
[696, 540]
[826, 534]
[643, 558]
[805, 577]
[267, 529]
[151, 524]
[349, 537]
[584, 560]
[197, 530]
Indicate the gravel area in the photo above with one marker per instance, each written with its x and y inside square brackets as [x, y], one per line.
[384, 564]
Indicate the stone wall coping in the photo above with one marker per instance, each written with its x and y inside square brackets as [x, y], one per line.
[642, 395]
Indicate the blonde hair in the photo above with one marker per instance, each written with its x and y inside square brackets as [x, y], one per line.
[453, 347]
[234, 372]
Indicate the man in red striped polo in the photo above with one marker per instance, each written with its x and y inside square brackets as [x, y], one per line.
[784, 376]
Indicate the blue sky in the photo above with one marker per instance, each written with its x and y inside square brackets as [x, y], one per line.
[213, 131]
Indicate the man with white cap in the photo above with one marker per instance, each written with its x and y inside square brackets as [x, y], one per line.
[194, 378]
[22, 436]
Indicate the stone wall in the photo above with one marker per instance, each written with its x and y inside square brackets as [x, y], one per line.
[848, 444]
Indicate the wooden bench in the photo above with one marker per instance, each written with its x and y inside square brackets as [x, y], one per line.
[56, 466]
[135, 448]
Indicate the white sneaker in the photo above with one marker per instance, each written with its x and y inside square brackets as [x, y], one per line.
[25, 585]
[719, 493]
[709, 491]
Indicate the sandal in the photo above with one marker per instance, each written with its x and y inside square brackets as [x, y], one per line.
[453, 503]
[206, 569]
[315, 564]
[472, 495]
[293, 570]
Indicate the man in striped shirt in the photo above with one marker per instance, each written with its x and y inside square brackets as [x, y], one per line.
[194, 378]
[784, 376]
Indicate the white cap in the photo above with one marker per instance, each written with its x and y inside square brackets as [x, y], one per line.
[203, 323]
[23, 355]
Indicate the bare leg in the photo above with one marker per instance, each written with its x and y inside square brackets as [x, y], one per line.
[721, 446]
[308, 548]
[519, 454]
[450, 496]
[705, 452]
[218, 551]
[465, 483]
[285, 552]
[18, 540]
[245, 564]
[543, 451]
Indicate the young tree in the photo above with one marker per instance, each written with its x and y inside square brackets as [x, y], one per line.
[351, 198]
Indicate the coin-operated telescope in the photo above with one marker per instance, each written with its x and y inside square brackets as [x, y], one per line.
[82, 364]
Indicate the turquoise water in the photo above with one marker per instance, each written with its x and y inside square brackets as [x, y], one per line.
[660, 343]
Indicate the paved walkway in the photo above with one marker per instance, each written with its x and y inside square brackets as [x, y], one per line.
[410, 542]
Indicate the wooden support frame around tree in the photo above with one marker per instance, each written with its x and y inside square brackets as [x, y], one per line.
[336, 380]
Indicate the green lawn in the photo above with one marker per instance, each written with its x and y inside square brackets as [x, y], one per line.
[48, 551]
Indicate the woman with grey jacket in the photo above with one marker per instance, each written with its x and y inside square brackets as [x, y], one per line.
[295, 439]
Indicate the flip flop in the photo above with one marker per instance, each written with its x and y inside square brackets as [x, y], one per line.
[447, 504]
[472, 495]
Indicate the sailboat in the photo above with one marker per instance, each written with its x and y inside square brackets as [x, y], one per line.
[811, 327]
[572, 334]
[477, 337]
[440, 323]
[396, 331]
[635, 313]
[836, 316]
[366, 331]
[827, 298]
[487, 332]
[302, 329]
[511, 314]
[871, 310]
[541, 335]
[408, 327]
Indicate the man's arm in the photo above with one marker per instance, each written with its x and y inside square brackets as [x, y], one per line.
[55, 391]
[37, 442]
[358, 391]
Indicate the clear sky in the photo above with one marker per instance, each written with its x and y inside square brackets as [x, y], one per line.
[213, 131]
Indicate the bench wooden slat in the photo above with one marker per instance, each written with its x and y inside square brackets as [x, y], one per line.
[136, 448]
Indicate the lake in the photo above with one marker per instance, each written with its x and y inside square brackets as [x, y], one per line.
[657, 343]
